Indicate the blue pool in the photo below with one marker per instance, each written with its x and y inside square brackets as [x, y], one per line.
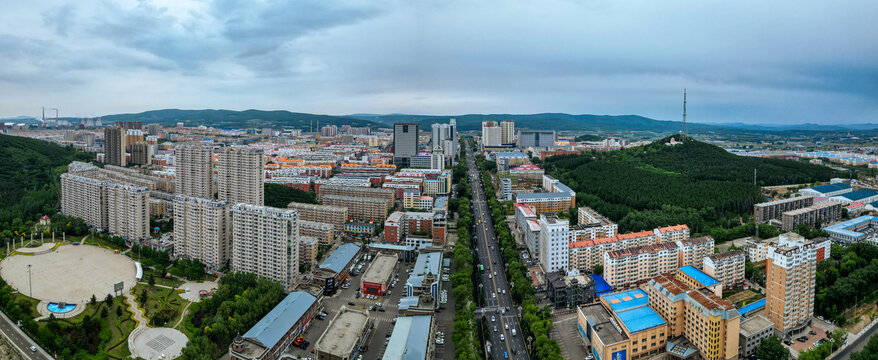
[58, 309]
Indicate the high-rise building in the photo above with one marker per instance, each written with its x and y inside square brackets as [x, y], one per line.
[202, 230]
[554, 237]
[405, 143]
[265, 242]
[85, 198]
[790, 267]
[492, 134]
[333, 215]
[507, 128]
[239, 175]
[194, 171]
[128, 211]
[120, 208]
[114, 146]
[437, 161]
[536, 138]
[329, 131]
[439, 133]
[141, 153]
[727, 267]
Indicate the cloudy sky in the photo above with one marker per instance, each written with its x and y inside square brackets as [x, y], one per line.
[742, 61]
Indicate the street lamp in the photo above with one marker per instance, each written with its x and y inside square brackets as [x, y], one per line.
[30, 285]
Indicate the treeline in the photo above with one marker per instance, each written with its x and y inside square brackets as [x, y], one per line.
[239, 303]
[849, 276]
[463, 334]
[279, 196]
[693, 183]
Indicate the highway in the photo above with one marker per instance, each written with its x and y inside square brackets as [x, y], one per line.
[498, 298]
[20, 341]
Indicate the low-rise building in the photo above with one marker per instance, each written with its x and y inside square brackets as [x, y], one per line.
[411, 339]
[569, 290]
[270, 337]
[344, 337]
[424, 278]
[307, 250]
[860, 229]
[753, 330]
[623, 326]
[377, 276]
[335, 269]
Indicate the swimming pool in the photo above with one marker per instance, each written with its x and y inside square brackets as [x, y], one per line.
[58, 309]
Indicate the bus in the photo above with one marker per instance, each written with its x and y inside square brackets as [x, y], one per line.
[481, 267]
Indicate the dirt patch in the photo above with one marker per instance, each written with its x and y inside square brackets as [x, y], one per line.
[7, 351]
[860, 317]
[741, 296]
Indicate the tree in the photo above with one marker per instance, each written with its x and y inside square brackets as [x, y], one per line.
[94, 300]
[104, 312]
[598, 270]
[119, 310]
[151, 281]
[770, 348]
[108, 300]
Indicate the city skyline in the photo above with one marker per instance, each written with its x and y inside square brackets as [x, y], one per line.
[755, 63]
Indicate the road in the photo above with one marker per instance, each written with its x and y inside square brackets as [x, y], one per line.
[857, 345]
[495, 287]
[21, 341]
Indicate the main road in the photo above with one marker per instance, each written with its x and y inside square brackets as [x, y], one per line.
[500, 312]
[20, 341]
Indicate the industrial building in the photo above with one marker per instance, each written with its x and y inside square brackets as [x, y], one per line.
[344, 337]
[270, 337]
[827, 190]
[377, 276]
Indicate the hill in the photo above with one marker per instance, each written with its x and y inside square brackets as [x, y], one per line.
[29, 183]
[692, 183]
[229, 119]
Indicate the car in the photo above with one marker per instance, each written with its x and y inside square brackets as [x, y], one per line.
[503, 311]
[497, 310]
[33, 348]
[812, 332]
[495, 328]
[378, 304]
[502, 338]
[489, 276]
[507, 326]
[351, 303]
[357, 296]
[493, 294]
[372, 308]
[505, 355]
[380, 309]
[589, 357]
[492, 318]
[504, 291]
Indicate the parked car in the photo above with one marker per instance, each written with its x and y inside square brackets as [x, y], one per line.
[351, 303]
[492, 318]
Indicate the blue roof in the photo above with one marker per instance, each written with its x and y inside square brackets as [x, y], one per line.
[831, 187]
[600, 285]
[392, 247]
[427, 263]
[756, 305]
[408, 301]
[859, 194]
[639, 319]
[340, 257]
[699, 276]
[842, 228]
[275, 324]
[409, 338]
[627, 300]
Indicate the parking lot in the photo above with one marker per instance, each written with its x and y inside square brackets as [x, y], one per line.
[383, 321]
[815, 332]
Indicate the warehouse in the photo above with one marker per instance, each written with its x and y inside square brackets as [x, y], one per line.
[377, 276]
[344, 337]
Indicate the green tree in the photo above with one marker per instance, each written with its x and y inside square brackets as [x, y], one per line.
[598, 270]
[108, 300]
[770, 348]
[94, 300]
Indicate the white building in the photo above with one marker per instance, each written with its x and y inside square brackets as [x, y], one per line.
[492, 134]
[554, 237]
[265, 242]
[202, 230]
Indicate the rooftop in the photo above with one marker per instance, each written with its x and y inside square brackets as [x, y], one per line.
[340, 257]
[341, 336]
[831, 187]
[670, 283]
[599, 318]
[751, 307]
[726, 255]
[699, 276]
[427, 263]
[380, 269]
[673, 228]
[710, 301]
[626, 300]
[754, 325]
[271, 328]
[639, 319]
[859, 194]
[600, 285]
[642, 249]
[409, 339]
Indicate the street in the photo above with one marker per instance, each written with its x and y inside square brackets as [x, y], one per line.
[495, 287]
[19, 340]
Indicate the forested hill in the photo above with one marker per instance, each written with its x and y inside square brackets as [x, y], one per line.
[230, 119]
[29, 172]
[692, 183]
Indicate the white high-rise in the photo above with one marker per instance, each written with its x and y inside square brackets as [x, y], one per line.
[265, 242]
[507, 128]
[202, 230]
[128, 211]
[553, 243]
[239, 175]
[194, 171]
[492, 134]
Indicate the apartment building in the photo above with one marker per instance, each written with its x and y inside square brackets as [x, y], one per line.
[623, 326]
[727, 267]
[592, 225]
[333, 215]
[85, 198]
[194, 171]
[202, 230]
[307, 250]
[507, 132]
[141, 153]
[388, 195]
[586, 254]
[790, 267]
[492, 134]
[127, 211]
[773, 210]
[548, 201]
[323, 232]
[554, 237]
[673, 233]
[824, 213]
[239, 175]
[693, 251]
[710, 323]
[625, 268]
[114, 146]
[360, 208]
[265, 242]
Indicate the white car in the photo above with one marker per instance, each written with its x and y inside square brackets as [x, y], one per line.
[492, 318]
[378, 304]
[502, 338]
[507, 326]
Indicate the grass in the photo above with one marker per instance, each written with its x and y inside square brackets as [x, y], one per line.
[120, 326]
[97, 240]
[19, 297]
[166, 281]
[161, 299]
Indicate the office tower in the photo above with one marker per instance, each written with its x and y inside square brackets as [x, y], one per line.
[265, 242]
[202, 230]
[438, 134]
[128, 211]
[790, 267]
[492, 134]
[554, 237]
[114, 146]
[194, 171]
[141, 153]
[405, 143]
[507, 128]
[452, 129]
[437, 161]
[536, 138]
[239, 175]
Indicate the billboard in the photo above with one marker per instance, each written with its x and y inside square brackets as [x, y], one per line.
[619, 355]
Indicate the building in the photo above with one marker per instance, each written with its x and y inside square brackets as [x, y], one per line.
[548, 201]
[411, 339]
[592, 225]
[510, 159]
[585, 255]
[194, 171]
[492, 134]
[813, 215]
[727, 267]
[307, 249]
[696, 279]
[673, 233]
[694, 250]
[333, 215]
[394, 228]
[790, 267]
[529, 226]
[323, 232]
[424, 278]
[410, 198]
[827, 190]
[265, 242]
[554, 237]
[127, 211]
[507, 132]
[626, 268]
[141, 153]
[239, 175]
[405, 143]
[387, 195]
[360, 208]
[114, 146]
[335, 269]
[773, 210]
[536, 138]
[623, 326]
[569, 290]
[85, 198]
[202, 230]
[753, 330]
[105, 204]
[505, 189]
[866, 196]
[376, 279]
[270, 337]
[345, 335]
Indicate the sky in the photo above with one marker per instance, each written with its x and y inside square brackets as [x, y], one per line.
[775, 62]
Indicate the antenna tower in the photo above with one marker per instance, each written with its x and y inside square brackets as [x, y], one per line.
[684, 112]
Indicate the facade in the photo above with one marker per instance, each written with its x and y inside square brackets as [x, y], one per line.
[345, 335]
[554, 237]
[114, 146]
[626, 268]
[335, 269]
[307, 249]
[127, 211]
[265, 242]
[194, 171]
[753, 330]
[773, 210]
[141, 153]
[387, 194]
[376, 278]
[569, 290]
[405, 143]
[790, 267]
[492, 134]
[270, 337]
[360, 208]
[202, 230]
[85, 198]
[592, 225]
[333, 215]
[239, 175]
[623, 326]
[505, 189]
[536, 138]
[507, 132]
[814, 215]
[424, 278]
[727, 267]
[673, 233]
[693, 251]
[104, 204]
[586, 254]
[323, 232]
